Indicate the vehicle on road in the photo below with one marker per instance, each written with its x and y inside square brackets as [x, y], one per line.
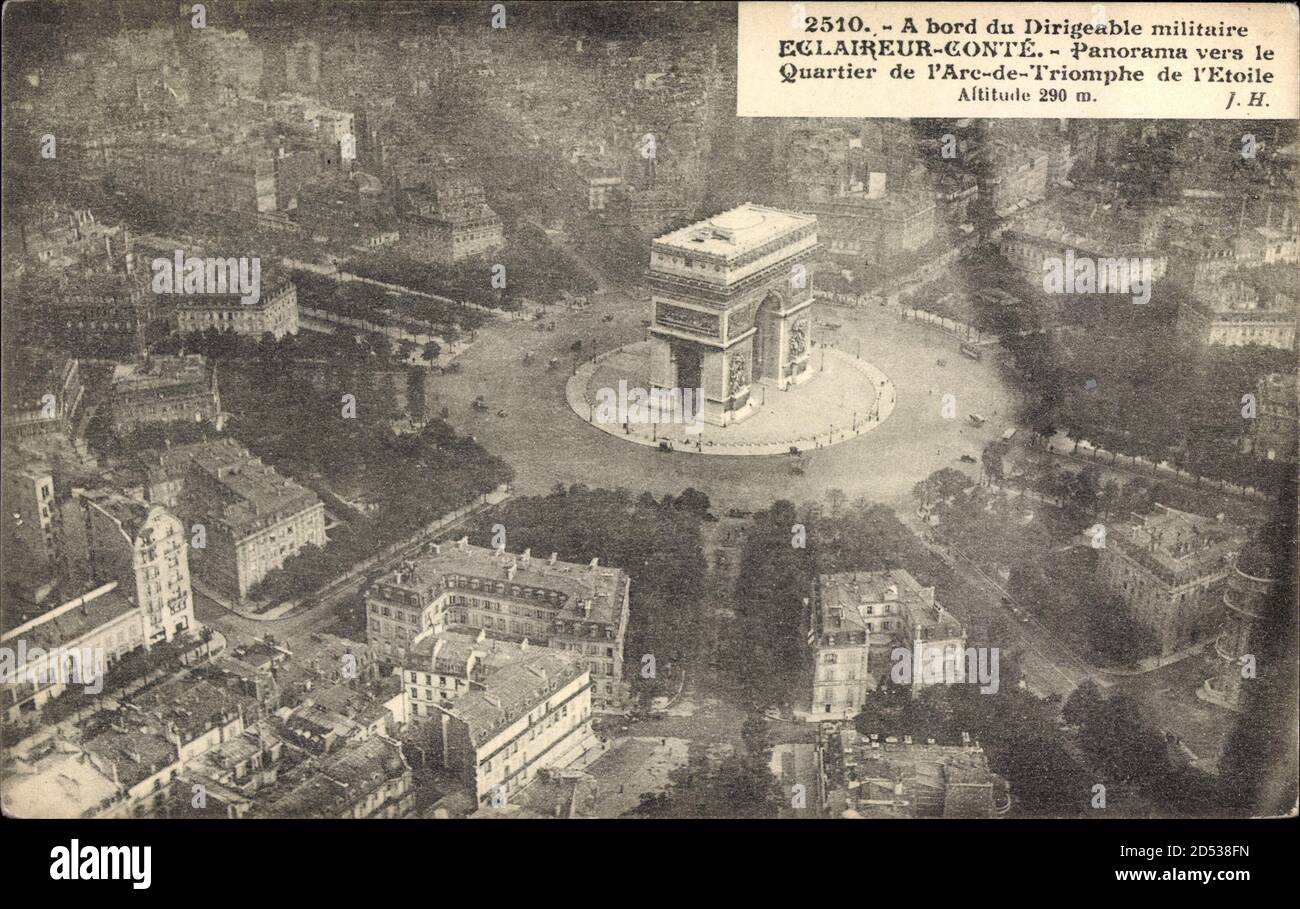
[967, 459]
[501, 413]
[972, 352]
[977, 419]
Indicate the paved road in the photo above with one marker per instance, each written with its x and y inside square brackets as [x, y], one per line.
[239, 629]
[548, 444]
[1047, 663]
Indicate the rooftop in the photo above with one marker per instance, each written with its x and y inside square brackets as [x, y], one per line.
[257, 493]
[70, 625]
[736, 231]
[1178, 543]
[845, 600]
[577, 585]
[510, 691]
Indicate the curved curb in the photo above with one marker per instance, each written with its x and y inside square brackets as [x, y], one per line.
[575, 395]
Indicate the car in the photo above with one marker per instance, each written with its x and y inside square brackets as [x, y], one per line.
[967, 459]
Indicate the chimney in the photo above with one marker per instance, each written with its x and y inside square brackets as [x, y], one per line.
[510, 571]
[523, 645]
[552, 561]
[526, 557]
[595, 563]
[463, 543]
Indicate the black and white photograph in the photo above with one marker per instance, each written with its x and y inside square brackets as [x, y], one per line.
[456, 410]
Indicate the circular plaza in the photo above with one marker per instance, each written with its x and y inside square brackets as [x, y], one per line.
[841, 397]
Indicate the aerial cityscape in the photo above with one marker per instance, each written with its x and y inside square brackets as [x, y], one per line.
[454, 410]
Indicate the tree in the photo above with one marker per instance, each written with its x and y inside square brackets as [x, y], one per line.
[941, 485]
[1115, 637]
[1083, 702]
[431, 350]
[692, 500]
[991, 459]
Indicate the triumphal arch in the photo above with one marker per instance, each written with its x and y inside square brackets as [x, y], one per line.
[732, 307]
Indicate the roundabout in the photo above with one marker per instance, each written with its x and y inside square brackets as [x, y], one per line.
[842, 398]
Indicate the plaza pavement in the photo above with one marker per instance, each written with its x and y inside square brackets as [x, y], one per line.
[547, 443]
[837, 402]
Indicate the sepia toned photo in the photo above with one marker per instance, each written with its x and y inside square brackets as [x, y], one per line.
[457, 410]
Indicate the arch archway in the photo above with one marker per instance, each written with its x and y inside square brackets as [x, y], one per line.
[767, 338]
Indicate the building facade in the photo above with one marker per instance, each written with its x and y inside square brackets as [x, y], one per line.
[251, 519]
[31, 514]
[1169, 569]
[1245, 601]
[578, 609]
[858, 620]
[67, 645]
[275, 312]
[524, 718]
[165, 390]
[143, 547]
[1275, 430]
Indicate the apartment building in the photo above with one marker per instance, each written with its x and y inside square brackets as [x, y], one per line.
[43, 398]
[31, 514]
[858, 619]
[531, 714]
[578, 609]
[449, 220]
[275, 312]
[252, 519]
[1169, 569]
[165, 390]
[69, 644]
[143, 547]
